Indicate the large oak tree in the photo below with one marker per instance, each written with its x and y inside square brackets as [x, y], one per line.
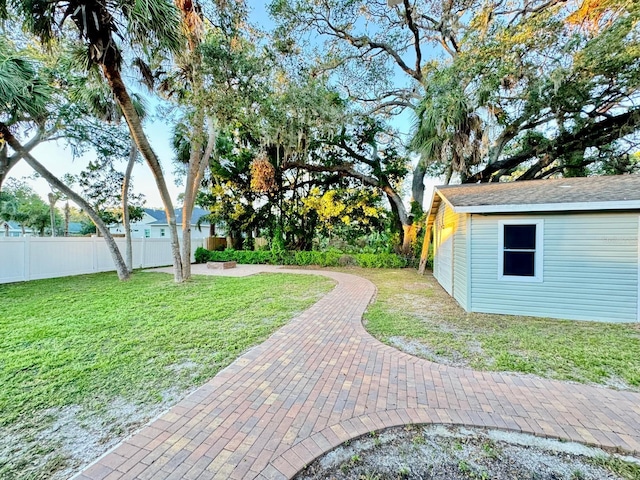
[540, 86]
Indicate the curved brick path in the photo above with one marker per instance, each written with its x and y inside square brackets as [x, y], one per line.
[322, 380]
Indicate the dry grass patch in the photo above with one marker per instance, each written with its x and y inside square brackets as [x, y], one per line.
[415, 314]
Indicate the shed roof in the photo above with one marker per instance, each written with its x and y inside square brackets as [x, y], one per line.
[615, 192]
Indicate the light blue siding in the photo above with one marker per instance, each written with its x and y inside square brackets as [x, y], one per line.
[590, 268]
[460, 263]
[450, 261]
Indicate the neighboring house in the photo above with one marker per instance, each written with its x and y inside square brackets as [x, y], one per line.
[560, 248]
[12, 229]
[75, 229]
[154, 224]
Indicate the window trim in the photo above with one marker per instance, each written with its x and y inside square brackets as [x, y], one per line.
[538, 262]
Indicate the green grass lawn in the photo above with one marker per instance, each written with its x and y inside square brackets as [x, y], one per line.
[87, 359]
[414, 313]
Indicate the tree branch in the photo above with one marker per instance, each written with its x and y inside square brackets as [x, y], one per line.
[8, 162]
[593, 134]
[13, 142]
[416, 37]
[344, 170]
[390, 104]
[364, 41]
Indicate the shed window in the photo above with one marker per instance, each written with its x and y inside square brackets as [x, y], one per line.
[520, 250]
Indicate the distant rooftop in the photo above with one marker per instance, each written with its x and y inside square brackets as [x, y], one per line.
[161, 217]
[12, 225]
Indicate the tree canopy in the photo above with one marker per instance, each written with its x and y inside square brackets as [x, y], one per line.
[533, 99]
[20, 204]
[516, 90]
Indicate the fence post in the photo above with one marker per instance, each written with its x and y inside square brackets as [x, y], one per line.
[94, 252]
[27, 259]
[143, 253]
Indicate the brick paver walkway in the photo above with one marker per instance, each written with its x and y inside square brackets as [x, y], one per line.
[322, 380]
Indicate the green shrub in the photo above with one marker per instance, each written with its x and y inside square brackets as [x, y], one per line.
[346, 260]
[380, 260]
[202, 255]
[331, 258]
[323, 259]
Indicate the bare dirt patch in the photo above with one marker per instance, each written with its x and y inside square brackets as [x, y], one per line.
[412, 347]
[456, 453]
[75, 436]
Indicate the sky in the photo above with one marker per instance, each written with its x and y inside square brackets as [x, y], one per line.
[59, 159]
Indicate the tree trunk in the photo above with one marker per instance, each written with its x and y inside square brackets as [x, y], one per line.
[236, 240]
[128, 251]
[52, 213]
[67, 215]
[112, 74]
[197, 165]
[448, 174]
[417, 184]
[405, 219]
[408, 238]
[189, 193]
[425, 249]
[192, 19]
[4, 164]
[121, 268]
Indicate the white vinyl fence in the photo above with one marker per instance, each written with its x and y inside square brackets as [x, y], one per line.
[32, 258]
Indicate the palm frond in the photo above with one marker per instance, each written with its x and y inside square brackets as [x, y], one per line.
[22, 91]
[146, 73]
[140, 105]
[153, 24]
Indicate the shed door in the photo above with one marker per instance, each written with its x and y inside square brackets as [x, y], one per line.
[443, 268]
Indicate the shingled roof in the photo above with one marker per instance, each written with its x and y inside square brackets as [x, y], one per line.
[161, 216]
[616, 192]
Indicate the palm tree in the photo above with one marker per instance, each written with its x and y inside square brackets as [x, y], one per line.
[199, 153]
[99, 100]
[100, 24]
[26, 100]
[121, 268]
[53, 199]
[448, 131]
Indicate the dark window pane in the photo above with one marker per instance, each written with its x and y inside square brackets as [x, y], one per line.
[520, 237]
[519, 264]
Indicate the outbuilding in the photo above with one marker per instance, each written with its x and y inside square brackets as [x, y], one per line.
[562, 248]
